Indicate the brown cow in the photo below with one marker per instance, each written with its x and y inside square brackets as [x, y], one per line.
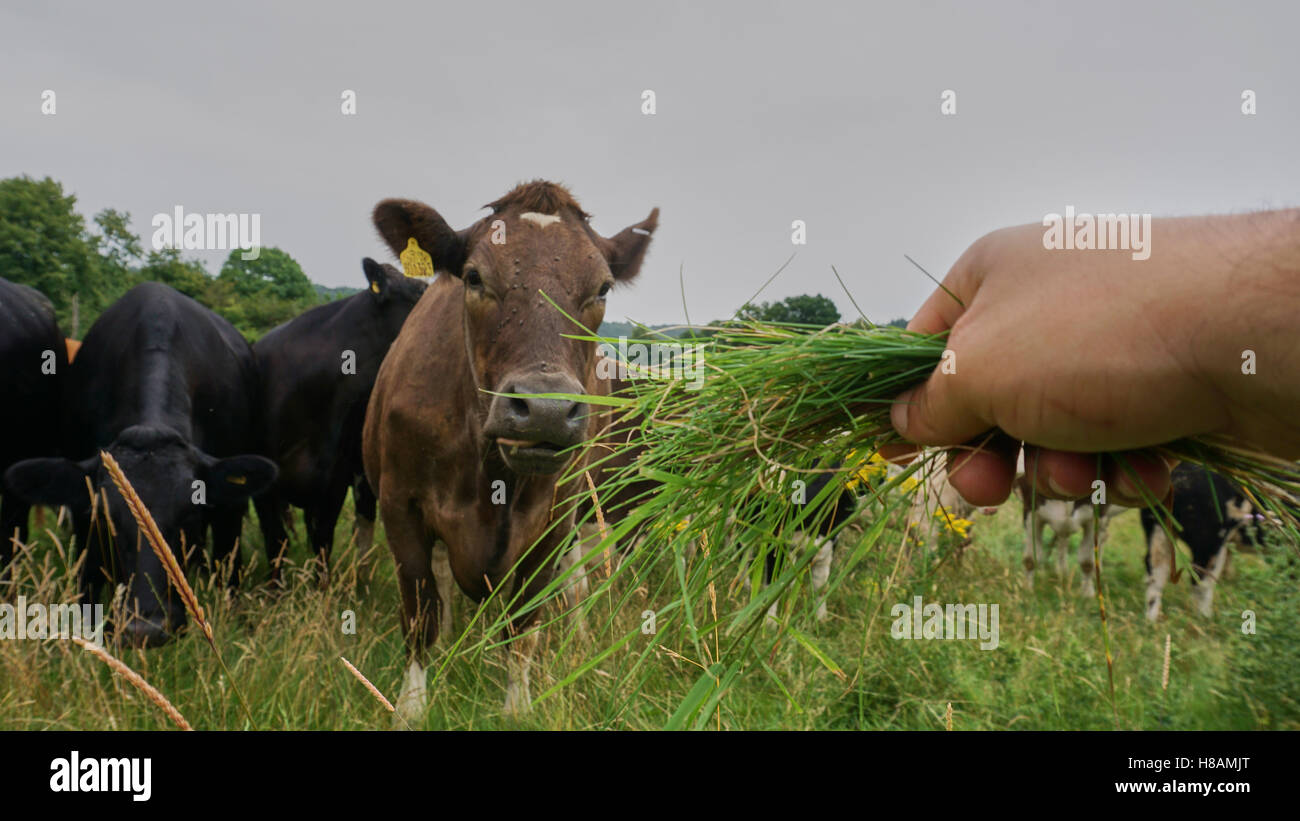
[440, 446]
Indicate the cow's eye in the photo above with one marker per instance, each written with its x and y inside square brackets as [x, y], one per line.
[473, 279]
[604, 290]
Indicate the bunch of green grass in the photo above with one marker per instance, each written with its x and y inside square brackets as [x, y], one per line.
[796, 398]
[781, 404]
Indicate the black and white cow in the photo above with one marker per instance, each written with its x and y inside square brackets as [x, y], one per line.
[169, 389]
[1064, 519]
[812, 532]
[816, 534]
[1209, 513]
[33, 363]
[317, 373]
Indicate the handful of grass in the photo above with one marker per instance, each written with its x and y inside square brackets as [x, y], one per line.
[725, 471]
[795, 400]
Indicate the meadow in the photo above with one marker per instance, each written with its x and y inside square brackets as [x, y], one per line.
[281, 650]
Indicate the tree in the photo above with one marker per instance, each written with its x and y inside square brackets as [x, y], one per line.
[44, 244]
[185, 275]
[804, 309]
[273, 274]
[258, 294]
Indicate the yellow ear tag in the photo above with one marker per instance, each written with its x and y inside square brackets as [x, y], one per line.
[416, 262]
[236, 480]
[374, 286]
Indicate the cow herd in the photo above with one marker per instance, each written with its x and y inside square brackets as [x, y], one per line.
[451, 409]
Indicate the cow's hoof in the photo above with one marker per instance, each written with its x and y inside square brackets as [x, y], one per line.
[518, 701]
[413, 701]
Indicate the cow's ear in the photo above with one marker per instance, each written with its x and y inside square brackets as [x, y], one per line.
[377, 277]
[400, 221]
[233, 480]
[52, 482]
[625, 251]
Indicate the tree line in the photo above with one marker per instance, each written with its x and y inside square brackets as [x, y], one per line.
[83, 268]
[47, 244]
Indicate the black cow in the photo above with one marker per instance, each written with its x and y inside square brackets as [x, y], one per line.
[317, 372]
[169, 389]
[33, 363]
[1209, 513]
[817, 529]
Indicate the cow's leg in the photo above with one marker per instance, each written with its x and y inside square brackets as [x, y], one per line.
[1033, 545]
[519, 699]
[1205, 578]
[407, 540]
[579, 586]
[226, 526]
[1160, 558]
[446, 584]
[821, 573]
[13, 525]
[322, 519]
[364, 503]
[531, 575]
[271, 511]
[1090, 559]
[92, 565]
[1061, 544]
[769, 573]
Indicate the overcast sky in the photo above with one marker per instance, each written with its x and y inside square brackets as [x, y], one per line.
[766, 113]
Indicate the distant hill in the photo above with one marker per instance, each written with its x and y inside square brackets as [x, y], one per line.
[331, 294]
[617, 329]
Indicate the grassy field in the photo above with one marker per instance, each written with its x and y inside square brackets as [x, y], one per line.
[1049, 671]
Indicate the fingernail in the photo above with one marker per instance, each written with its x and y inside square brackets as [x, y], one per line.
[1125, 488]
[898, 412]
[1056, 488]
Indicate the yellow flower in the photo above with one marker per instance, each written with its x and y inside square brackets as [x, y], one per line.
[960, 527]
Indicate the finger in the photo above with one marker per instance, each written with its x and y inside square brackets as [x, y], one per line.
[983, 474]
[900, 454]
[1061, 474]
[935, 413]
[1135, 478]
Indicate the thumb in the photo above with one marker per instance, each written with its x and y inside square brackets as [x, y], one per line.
[934, 413]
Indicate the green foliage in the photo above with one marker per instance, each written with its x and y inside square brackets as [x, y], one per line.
[327, 294]
[258, 294]
[274, 274]
[46, 244]
[187, 276]
[804, 309]
[614, 330]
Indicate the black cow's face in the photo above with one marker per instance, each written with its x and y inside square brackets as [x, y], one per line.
[1243, 523]
[390, 288]
[178, 484]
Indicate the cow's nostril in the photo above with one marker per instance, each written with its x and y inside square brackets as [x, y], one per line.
[519, 406]
[573, 411]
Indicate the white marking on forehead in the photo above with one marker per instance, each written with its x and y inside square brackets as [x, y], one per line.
[541, 219]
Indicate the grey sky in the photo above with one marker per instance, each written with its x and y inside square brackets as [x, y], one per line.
[767, 113]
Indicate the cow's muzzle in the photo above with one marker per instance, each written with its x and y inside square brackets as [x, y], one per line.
[536, 433]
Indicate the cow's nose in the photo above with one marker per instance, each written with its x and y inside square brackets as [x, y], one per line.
[143, 632]
[544, 419]
[530, 419]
